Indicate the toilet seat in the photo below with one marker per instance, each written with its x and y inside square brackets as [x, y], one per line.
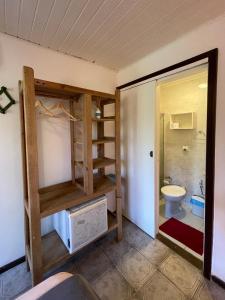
[173, 190]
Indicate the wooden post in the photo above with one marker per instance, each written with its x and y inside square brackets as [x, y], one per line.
[100, 136]
[118, 166]
[87, 144]
[32, 175]
[23, 151]
[72, 137]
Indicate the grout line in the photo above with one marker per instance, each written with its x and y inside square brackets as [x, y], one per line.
[164, 275]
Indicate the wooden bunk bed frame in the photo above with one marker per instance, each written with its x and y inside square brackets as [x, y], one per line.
[45, 252]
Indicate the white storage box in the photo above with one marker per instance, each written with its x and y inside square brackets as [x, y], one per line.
[198, 206]
[80, 225]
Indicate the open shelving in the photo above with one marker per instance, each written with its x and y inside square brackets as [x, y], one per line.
[89, 179]
[183, 120]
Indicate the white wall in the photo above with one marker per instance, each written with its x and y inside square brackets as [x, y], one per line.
[49, 65]
[206, 37]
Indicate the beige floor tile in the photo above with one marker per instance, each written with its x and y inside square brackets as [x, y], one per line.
[154, 251]
[115, 250]
[203, 293]
[134, 235]
[209, 290]
[135, 268]
[112, 286]
[184, 275]
[92, 264]
[160, 288]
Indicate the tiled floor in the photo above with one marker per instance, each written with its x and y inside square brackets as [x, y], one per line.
[189, 219]
[135, 268]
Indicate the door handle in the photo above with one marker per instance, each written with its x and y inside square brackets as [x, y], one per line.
[151, 153]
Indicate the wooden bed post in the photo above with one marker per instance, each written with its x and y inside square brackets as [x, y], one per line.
[118, 166]
[32, 175]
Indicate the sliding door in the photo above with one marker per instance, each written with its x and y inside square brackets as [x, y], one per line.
[138, 155]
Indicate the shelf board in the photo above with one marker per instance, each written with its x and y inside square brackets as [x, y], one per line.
[98, 162]
[103, 140]
[105, 119]
[102, 184]
[65, 195]
[102, 162]
[60, 254]
[104, 100]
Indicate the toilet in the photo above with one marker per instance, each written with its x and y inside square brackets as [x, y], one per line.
[173, 195]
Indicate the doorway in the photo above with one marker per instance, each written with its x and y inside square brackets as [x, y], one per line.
[210, 58]
[182, 118]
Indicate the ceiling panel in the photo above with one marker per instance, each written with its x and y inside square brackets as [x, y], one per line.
[12, 13]
[113, 33]
[40, 21]
[86, 16]
[96, 22]
[69, 19]
[58, 12]
[2, 16]
[28, 8]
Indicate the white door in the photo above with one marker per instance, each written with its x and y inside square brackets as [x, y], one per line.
[138, 155]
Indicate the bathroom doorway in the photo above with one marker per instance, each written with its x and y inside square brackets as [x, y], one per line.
[211, 59]
[182, 102]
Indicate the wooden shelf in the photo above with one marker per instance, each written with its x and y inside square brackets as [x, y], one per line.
[98, 162]
[102, 162]
[104, 100]
[65, 195]
[103, 140]
[102, 185]
[43, 253]
[105, 119]
[60, 254]
[49, 89]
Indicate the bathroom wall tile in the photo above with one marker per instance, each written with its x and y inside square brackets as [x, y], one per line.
[182, 274]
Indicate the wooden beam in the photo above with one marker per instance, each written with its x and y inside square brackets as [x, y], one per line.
[64, 89]
[118, 166]
[72, 136]
[87, 144]
[24, 167]
[100, 135]
[32, 174]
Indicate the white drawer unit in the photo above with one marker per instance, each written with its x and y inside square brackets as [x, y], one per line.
[80, 225]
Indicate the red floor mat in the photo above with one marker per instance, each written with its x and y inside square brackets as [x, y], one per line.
[185, 234]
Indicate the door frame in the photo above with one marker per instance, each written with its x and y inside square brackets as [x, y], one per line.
[212, 60]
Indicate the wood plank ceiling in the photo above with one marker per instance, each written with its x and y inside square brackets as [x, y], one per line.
[112, 33]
